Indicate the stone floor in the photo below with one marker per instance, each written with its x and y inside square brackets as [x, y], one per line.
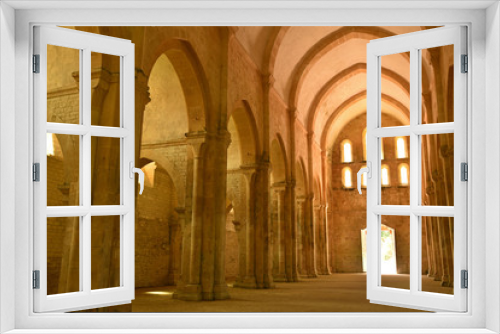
[334, 293]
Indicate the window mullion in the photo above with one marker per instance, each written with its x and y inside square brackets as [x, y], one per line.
[414, 169]
[86, 165]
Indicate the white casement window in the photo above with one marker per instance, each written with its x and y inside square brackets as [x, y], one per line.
[85, 210]
[418, 130]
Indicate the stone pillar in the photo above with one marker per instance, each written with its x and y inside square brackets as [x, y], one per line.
[322, 239]
[279, 235]
[290, 233]
[248, 240]
[221, 144]
[317, 237]
[309, 237]
[263, 259]
[312, 222]
[300, 237]
[190, 287]
[263, 252]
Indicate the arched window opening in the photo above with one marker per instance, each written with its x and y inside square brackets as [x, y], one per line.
[381, 148]
[50, 145]
[385, 176]
[149, 174]
[363, 179]
[346, 151]
[364, 144]
[347, 177]
[404, 179]
[401, 148]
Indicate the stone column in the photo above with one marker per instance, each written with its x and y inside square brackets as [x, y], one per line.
[309, 237]
[323, 267]
[190, 289]
[221, 144]
[279, 234]
[263, 259]
[290, 234]
[317, 237]
[300, 236]
[248, 240]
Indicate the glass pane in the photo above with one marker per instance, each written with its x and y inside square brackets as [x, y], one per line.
[437, 85]
[437, 169]
[63, 255]
[105, 171]
[437, 254]
[63, 170]
[395, 252]
[395, 89]
[63, 100]
[105, 89]
[395, 171]
[105, 257]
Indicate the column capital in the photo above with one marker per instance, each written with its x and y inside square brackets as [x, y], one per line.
[291, 183]
[196, 139]
[278, 186]
[301, 199]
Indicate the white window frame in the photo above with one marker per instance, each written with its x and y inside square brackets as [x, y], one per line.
[85, 43]
[484, 103]
[414, 43]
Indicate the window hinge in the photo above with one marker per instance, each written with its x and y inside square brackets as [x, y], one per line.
[465, 64]
[36, 63]
[464, 171]
[36, 279]
[36, 172]
[464, 279]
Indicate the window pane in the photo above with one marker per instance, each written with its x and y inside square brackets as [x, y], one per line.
[437, 169]
[105, 249]
[404, 175]
[395, 252]
[437, 85]
[63, 255]
[395, 89]
[63, 170]
[393, 191]
[63, 100]
[437, 254]
[105, 89]
[347, 177]
[105, 171]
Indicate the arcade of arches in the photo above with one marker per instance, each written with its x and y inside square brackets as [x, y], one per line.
[250, 139]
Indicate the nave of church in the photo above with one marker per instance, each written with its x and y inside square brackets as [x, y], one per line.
[250, 139]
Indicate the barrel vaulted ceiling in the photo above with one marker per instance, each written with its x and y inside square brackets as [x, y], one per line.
[321, 72]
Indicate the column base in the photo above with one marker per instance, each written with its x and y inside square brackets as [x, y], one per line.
[189, 293]
[221, 292]
[246, 283]
[310, 276]
[279, 278]
[324, 272]
[445, 280]
[268, 282]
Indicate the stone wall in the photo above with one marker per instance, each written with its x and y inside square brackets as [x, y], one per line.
[348, 207]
